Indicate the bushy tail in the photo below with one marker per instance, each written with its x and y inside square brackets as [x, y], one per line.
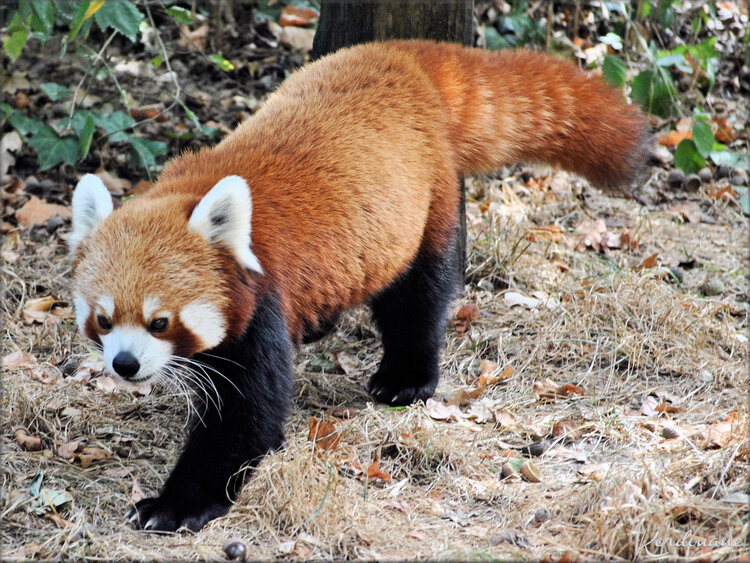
[514, 106]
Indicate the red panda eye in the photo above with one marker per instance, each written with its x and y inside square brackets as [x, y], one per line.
[104, 322]
[158, 325]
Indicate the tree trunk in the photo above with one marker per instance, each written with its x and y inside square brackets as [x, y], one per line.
[347, 22]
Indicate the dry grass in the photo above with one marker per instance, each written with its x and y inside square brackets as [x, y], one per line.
[620, 334]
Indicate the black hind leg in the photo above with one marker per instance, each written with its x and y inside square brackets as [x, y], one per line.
[411, 316]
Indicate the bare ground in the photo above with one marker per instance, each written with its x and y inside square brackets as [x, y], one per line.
[654, 464]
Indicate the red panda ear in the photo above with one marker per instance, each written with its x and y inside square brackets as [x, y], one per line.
[92, 204]
[224, 215]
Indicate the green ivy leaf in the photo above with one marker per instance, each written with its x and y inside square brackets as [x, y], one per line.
[23, 124]
[613, 70]
[703, 138]
[78, 18]
[180, 14]
[145, 151]
[54, 91]
[85, 135]
[53, 149]
[492, 38]
[120, 15]
[653, 91]
[44, 17]
[687, 158]
[115, 125]
[731, 159]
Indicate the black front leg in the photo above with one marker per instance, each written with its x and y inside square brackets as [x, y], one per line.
[254, 383]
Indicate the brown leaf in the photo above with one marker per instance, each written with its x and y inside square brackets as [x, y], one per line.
[723, 131]
[505, 419]
[323, 434]
[590, 235]
[37, 211]
[36, 310]
[673, 138]
[292, 15]
[193, 40]
[488, 377]
[89, 454]
[19, 360]
[68, 449]
[650, 262]
[567, 429]
[27, 442]
[116, 186]
[463, 396]
[465, 316]
[136, 493]
[58, 520]
[548, 389]
[553, 233]
[720, 434]
[148, 112]
[442, 411]
[373, 472]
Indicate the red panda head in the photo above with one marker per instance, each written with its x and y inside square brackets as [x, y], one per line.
[156, 280]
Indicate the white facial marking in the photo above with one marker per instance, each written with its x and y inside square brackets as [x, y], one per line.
[224, 215]
[107, 303]
[152, 353]
[150, 305]
[82, 310]
[205, 321]
[91, 205]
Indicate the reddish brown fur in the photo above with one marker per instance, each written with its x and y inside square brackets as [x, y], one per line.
[353, 166]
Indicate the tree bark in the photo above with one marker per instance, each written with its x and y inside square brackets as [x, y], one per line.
[347, 22]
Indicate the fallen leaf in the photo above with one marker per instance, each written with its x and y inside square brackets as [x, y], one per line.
[36, 211]
[136, 493]
[465, 316]
[68, 449]
[590, 235]
[720, 433]
[348, 363]
[292, 15]
[567, 429]
[28, 442]
[464, 396]
[650, 262]
[488, 375]
[148, 112]
[480, 412]
[513, 298]
[19, 360]
[441, 411]
[373, 472]
[10, 143]
[297, 38]
[9, 256]
[723, 131]
[552, 233]
[36, 310]
[193, 40]
[88, 454]
[110, 384]
[673, 138]
[323, 434]
[595, 472]
[115, 186]
[548, 389]
[505, 419]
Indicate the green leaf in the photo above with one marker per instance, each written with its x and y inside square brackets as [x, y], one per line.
[180, 14]
[115, 124]
[687, 158]
[23, 124]
[14, 43]
[54, 91]
[221, 62]
[78, 19]
[731, 159]
[613, 70]
[85, 134]
[120, 15]
[36, 483]
[653, 91]
[156, 61]
[44, 17]
[703, 138]
[66, 8]
[49, 498]
[492, 38]
[145, 151]
[53, 149]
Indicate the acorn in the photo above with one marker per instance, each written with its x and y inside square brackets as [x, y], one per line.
[235, 549]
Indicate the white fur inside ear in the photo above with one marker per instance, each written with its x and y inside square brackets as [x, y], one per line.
[92, 204]
[205, 321]
[224, 215]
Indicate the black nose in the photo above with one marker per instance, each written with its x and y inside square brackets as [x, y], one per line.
[126, 365]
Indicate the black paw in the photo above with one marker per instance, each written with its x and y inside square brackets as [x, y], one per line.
[159, 515]
[398, 392]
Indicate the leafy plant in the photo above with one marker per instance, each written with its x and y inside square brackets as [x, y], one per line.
[71, 21]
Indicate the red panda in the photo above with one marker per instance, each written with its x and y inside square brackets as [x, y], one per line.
[342, 188]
